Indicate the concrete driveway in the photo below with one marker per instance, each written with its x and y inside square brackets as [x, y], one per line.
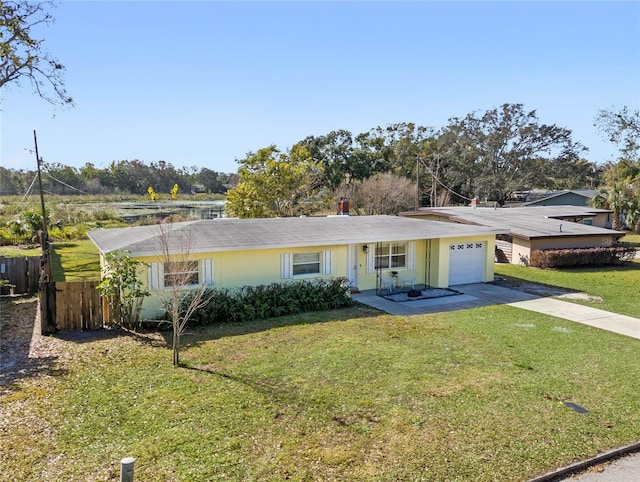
[485, 294]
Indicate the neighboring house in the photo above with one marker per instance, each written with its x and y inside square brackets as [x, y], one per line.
[532, 228]
[578, 197]
[366, 250]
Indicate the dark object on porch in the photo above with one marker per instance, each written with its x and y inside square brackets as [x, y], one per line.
[414, 293]
[422, 294]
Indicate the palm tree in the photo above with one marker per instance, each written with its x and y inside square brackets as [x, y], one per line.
[632, 214]
[617, 197]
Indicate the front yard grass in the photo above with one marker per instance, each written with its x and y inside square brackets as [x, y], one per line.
[618, 286]
[75, 261]
[344, 395]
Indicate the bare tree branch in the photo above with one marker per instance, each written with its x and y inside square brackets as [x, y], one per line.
[23, 58]
[181, 291]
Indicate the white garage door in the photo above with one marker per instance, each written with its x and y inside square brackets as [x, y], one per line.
[466, 263]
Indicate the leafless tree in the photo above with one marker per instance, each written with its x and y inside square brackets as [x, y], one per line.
[380, 194]
[181, 289]
[443, 198]
[621, 126]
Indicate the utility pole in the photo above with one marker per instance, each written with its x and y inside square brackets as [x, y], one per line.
[417, 183]
[47, 288]
[44, 213]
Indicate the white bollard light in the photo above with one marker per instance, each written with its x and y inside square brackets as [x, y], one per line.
[126, 469]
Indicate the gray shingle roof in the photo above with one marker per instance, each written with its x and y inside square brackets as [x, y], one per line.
[585, 193]
[529, 222]
[226, 234]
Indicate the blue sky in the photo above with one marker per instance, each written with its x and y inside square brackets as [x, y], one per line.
[203, 83]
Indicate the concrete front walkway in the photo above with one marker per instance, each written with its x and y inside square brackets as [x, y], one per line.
[485, 294]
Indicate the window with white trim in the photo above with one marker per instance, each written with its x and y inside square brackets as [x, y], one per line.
[305, 263]
[187, 273]
[391, 256]
[183, 273]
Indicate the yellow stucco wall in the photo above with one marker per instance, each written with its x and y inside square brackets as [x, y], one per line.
[367, 281]
[433, 270]
[234, 269]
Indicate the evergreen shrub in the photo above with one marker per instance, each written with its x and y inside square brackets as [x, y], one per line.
[563, 258]
[267, 301]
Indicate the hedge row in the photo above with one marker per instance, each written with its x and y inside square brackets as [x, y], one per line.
[559, 258]
[267, 301]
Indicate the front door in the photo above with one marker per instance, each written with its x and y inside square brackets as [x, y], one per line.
[352, 275]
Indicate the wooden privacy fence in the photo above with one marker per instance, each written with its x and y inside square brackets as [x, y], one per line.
[78, 306]
[23, 273]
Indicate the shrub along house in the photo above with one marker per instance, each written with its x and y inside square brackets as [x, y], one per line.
[366, 250]
[532, 228]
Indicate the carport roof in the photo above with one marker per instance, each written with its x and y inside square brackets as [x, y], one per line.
[526, 222]
[231, 234]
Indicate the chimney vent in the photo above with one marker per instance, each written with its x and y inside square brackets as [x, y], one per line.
[343, 209]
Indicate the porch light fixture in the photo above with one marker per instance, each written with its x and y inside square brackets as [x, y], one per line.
[365, 248]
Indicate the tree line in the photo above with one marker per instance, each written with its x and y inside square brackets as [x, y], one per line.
[485, 155]
[120, 177]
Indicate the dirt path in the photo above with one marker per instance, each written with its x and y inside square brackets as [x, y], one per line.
[24, 352]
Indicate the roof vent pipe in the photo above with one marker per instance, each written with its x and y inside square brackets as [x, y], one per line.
[560, 227]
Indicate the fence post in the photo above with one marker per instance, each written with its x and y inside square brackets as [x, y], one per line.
[126, 469]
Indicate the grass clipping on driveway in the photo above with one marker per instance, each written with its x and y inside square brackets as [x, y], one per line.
[344, 395]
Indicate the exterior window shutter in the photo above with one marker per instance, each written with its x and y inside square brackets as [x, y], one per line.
[155, 275]
[411, 255]
[285, 266]
[327, 265]
[208, 272]
[371, 258]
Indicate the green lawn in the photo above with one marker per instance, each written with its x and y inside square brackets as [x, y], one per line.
[75, 261]
[344, 395]
[70, 260]
[618, 286]
[632, 238]
[19, 252]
